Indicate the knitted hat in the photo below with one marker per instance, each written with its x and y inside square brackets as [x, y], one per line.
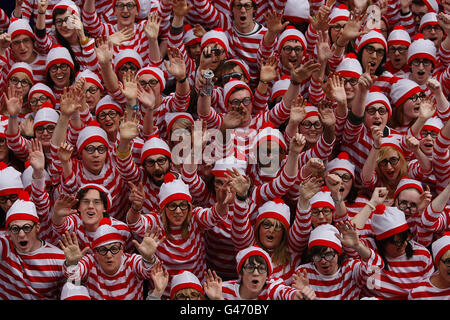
[20, 26]
[322, 199]
[184, 280]
[160, 75]
[311, 111]
[391, 141]
[432, 5]
[216, 36]
[275, 209]
[127, 55]
[21, 67]
[246, 253]
[339, 13]
[2, 132]
[238, 162]
[269, 133]
[402, 90]
[373, 36]
[422, 48]
[349, 67]
[46, 114]
[440, 247]
[27, 177]
[107, 102]
[57, 55]
[297, 11]
[290, 33]
[388, 221]
[91, 133]
[44, 89]
[241, 63]
[155, 145]
[407, 183]
[10, 180]
[433, 124]
[173, 189]
[231, 86]
[171, 117]
[399, 36]
[280, 87]
[325, 235]
[342, 162]
[67, 5]
[189, 38]
[106, 234]
[138, 5]
[90, 77]
[22, 209]
[428, 19]
[72, 291]
[99, 188]
[375, 96]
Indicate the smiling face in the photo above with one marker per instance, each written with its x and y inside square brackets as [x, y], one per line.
[427, 142]
[45, 136]
[63, 24]
[109, 120]
[125, 16]
[291, 54]
[60, 75]
[91, 208]
[23, 83]
[313, 133]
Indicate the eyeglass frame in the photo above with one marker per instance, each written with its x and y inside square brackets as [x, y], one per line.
[151, 163]
[41, 129]
[412, 206]
[151, 83]
[35, 101]
[214, 51]
[446, 262]
[234, 75]
[267, 224]
[321, 211]
[308, 124]
[384, 162]
[111, 249]
[247, 6]
[417, 96]
[379, 52]
[246, 102]
[353, 81]
[128, 66]
[426, 133]
[11, 197]
[54, 68]
[181, 296]
[16, 81]
[329, 254]
[18, 229]
[289, 49]
[129, 5]
[374, 110]
[250, 268]
[90, 149]
[400, 49]
[173, 206]
[103, 114]
[425, 62]
[25, 41]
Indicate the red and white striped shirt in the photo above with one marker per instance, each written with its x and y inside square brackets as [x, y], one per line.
[426, 290]
[37, 65]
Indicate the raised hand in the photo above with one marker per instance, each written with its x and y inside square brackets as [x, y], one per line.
[268, 69]
[213, 285]
[334, 183]
[224, 196]
[152, 26]
[326, 114]
[274, 21]
[104, 50]
[298, 111]
[65, 152]
[239, 183]
[304, 71]
[13, 101]
[36, 156]
[129, 89]
[137, 196]
[424, 199]
[412, 144]
[315, 167]
[352, 29]
[377, 135]
[324, 52]
[180, 8]
[146, 98]
[301, 283]
[297, 143]
[199, 31]
[176, 65]
[72, 252]
[68, 102]
[379, 195]
[121, 36]
[427, 108]
[42, 5]
[129, 126]
[309, 188]
[150, 243]
[232, 119]
[320, 20]
[348, 234]
[160, 278]
[336, 89]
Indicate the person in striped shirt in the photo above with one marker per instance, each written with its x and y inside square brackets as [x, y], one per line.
[10, 187]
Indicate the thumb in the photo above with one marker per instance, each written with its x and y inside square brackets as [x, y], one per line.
[84, 251]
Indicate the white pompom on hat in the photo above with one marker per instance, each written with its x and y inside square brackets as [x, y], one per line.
[91, 133]
[399, 36]
[173, 189]
[322, 199]
[246, 253]
[290, 33]
[231, 86]
[296, 11]
[422, 48]
[72, 291]
[325, 235]
[388, 221]
[155, 145]
[238, 162]
[127, 55]
[408, 183]
[22, 209]
[373, 36]
[20, 26]
[341, 162]
[339, 13]
[10, 180]
[44, 89]
[403, 89]
[45, 115]
[21, 67]
[349, 67]
[440, 247]
[58, 54]
[184, 280]
[106, 234]
[67, 5]
[90, 77]
[275, 209]
[108, 102]
[375, 96]
[159, 74]
[216, 36]
[99, 188]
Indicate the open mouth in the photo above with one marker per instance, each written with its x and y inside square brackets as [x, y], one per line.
[243, 18]
[341, 190]
[23, 243]
[372, 64]
[420, 73]
[428, 145]
[270, 238]
[377, 123]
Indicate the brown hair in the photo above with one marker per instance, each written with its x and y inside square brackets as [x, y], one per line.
[184, 226]
[280, 255]
[403, 169]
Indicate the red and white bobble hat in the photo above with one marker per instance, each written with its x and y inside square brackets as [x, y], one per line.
[231, 86]
[99, 188]
[171, 117]
[189, 38]
[10, 180]
[107, 102]
[440, 247]
[290, 33]
[407, 183]
[44, 89]
[349, 67]
[45, 115]
[269, 133]
[375, 96]
[311, 111]
[239, 162]
[184, 280]
[241, 63]
[22, 209]
[127, 55]
[403, 89]
[246, 253]
[280, 87]
[428, 19]
[21, 67]
[90, 77]
[275, 209]
[373, 36]
[91, 133]
[432, 5]
[106, 234]
[422, 48]
[322, 199]
[433, 124]
[388, 221]
[58, 54]
[173, 189]
[297, 11]
[392, 141]
[159, 74]
[216, 36]
[339, 13]
[399, 37]
[20, 26]
[72, 291]
[155, 145]
[342, 162]
[325, 235]
[67, 5]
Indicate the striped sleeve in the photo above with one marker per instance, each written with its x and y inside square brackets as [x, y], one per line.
[18, 145]
[435, 221]
[197, 187]
[128, 169]
[300, 230]
[4, 19]
[93, 25]
[211, 16]
[242, 232]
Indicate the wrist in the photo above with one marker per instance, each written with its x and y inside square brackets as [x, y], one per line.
[182, 80]
[295, 83]
[242, 197]
[371, 205]
[41, 12]
[151, 260]
[375, 147]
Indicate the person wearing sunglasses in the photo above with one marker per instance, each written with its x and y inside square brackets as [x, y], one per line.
[332, 276]
[108, 272]
[34, 267]
[437, 286]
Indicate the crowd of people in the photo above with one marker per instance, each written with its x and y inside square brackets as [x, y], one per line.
[225, 150]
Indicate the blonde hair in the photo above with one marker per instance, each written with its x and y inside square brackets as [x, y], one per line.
[184, 226]
[280, 255]
[403, 169]
[189, 291]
